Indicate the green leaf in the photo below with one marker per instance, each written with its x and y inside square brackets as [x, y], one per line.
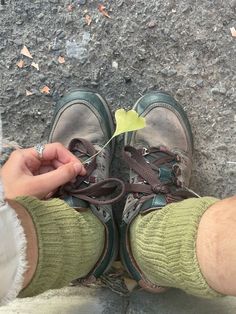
[127, 121]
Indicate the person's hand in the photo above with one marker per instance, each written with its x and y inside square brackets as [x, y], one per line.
[26, 174]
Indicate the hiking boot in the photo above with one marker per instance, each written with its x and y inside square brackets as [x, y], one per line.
[83, 123]
[160, 161]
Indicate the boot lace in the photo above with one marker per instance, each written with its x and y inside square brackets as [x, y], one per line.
[157, 171]
[84, 187]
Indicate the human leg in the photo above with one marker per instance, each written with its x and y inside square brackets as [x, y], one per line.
[207, 255]
[71, 243]
[83, 123]
[163, 244]
[159, 230]
[62, 244]
[216, 246]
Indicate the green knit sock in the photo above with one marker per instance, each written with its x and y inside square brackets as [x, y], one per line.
[70, 243]
[163, 243]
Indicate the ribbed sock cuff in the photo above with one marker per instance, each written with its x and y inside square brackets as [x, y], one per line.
[164, 246]
[69, 243]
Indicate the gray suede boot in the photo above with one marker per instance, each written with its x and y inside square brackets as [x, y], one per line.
[160, 160]
[83, 123]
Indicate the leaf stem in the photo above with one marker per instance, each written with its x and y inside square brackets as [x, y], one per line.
[90, 158]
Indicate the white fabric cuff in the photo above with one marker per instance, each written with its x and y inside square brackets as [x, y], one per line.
[13, 263]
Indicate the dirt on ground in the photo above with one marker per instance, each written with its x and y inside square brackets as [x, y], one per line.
[183, 47]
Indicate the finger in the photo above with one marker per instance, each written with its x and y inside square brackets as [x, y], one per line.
[45, 183]
[44, 169]
[55, 151]
[57, 164]
[21, 162]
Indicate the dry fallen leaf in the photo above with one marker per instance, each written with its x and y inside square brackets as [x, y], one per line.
[61, 59]
[233, 31]
[102, 9]
[152, 24]
[28, 92]
[20, 64]
[88, 19]
[70, 7]
[35, 65]
[25, 52]
[45, 90]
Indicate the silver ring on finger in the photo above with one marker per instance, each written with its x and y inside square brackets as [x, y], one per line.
[39, 149]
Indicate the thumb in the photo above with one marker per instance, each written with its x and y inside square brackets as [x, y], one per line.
[52, 180]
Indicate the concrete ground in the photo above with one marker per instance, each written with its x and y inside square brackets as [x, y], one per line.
[184, 47]
[103, 301]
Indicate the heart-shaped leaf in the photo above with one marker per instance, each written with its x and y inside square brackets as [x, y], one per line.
[127, 121]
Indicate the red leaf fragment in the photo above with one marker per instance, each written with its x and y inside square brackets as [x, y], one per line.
[102, 9]
[70, 7]
[25, 52]
[45, 90]
[28, 92]
[35, 65]
[61, 59]
[88, 19]
[233, 31]
[20, 64]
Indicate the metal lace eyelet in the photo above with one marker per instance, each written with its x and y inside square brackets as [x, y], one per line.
[176, 169]
[145, 151]
[177, 158]
[156, 188]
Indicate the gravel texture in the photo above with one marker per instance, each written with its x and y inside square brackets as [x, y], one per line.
[184, 47]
